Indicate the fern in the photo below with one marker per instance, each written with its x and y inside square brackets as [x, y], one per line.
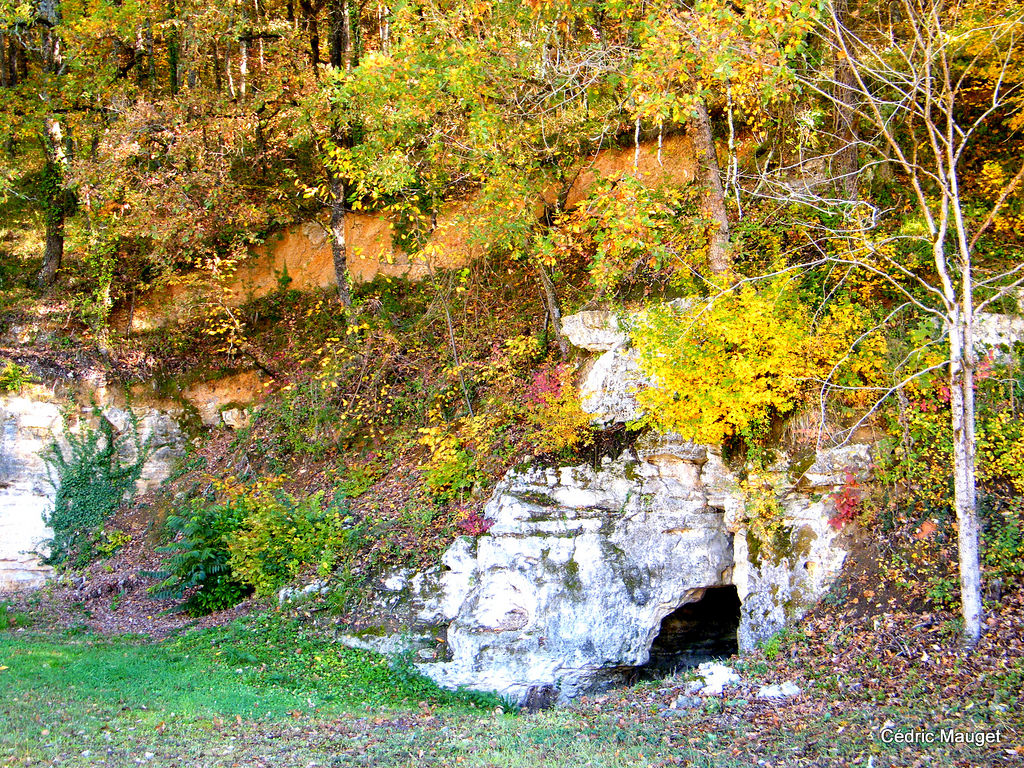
[197, 564]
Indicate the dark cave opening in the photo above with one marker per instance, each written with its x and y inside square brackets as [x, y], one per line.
[697, 632]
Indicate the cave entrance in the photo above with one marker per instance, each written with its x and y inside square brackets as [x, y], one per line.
[697, 632]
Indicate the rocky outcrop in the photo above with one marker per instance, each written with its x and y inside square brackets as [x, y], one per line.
[583, 568]
[575, 576]
[27, 426]
[568, 589]
[594, 330]
[609, 382]
[40, 417]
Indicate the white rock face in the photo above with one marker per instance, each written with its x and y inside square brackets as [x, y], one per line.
[609, 386]
[596, 331]
[610, 382]
[235, 418]
[577, 571]
[570, 585]
[159, 434]
[27, 426]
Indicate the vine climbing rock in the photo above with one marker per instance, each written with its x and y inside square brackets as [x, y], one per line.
[33, 421]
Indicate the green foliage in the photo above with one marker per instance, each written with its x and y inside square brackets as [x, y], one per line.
[96, 271]
[92, 477]
[109, 541]
[450, 475]
[629, 232]
[14, 377]
[944, 591]
[771, 647]
[252, 538]
[357, 479]
[919, 449]
[281, 537]
[197, 566]
[302, 420]
[1003, 541]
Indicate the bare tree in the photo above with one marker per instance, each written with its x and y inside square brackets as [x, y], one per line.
[910, 83]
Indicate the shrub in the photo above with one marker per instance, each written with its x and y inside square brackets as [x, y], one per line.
[847, 501]
[472, 523]
[197, 566]
[91, 481]
[301, 420]
[14, 377]
[282, 536]
[1003, 538]
[559, 423]
[250, 538]
[451, 471]
[727, 367]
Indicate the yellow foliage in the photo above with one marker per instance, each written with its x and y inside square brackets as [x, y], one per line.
[725, 367]
[558, 421]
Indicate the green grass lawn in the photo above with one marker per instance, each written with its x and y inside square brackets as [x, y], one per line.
[243, 696]
[272, 692]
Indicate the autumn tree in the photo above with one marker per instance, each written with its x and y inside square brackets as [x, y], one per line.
[34, 80]
[921, 83]
[721, 54]
[503, 104]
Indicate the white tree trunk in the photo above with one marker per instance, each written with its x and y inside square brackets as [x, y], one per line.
[964, 487]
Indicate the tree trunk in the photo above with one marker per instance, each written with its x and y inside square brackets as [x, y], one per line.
[554, 312]
[216, 67]
[309, 21]
[964, 487]
[338, 245]
[384, 27]
[150, 57]
[55, 206]
[343, 54]
[719, 259]
[227, 68]
[4, 70]
[20, 60]
[243, 67]
[337, 43]
[847, 163]
[172, 49]
[53, 253]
